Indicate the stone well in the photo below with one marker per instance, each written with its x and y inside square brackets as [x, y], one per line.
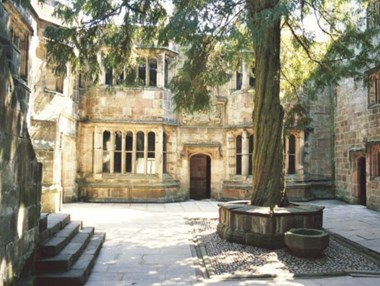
[247, 224]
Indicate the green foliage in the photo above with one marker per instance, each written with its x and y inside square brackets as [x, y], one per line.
[218, 34]
[202, 70]
[215, 34]
[91, 26]
[311, 61]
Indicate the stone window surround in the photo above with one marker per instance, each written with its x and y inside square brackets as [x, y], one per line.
[374, 156]
[55, 85]
[244, 77]
[162, 62]
[374, 89]
[145, 167]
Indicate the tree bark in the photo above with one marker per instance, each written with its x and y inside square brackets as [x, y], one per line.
[268, 114]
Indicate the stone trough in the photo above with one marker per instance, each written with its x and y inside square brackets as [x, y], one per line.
[252, 225]
[307, 242]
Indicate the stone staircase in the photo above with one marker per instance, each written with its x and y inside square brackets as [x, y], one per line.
[67, 251]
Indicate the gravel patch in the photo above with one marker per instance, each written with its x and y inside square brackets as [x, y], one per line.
[232, 259]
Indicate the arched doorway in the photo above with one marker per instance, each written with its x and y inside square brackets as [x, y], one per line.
[200, 177]
[362, 181]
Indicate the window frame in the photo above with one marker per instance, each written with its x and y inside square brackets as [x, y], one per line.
[129, 152]
[374, 89]
[375, 160]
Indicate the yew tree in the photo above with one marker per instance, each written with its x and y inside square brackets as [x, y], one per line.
[214, 32]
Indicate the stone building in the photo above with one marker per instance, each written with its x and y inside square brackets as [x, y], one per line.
[53, 118]
[133, 146]
[120, 143]
[20, 172]
[357, 131]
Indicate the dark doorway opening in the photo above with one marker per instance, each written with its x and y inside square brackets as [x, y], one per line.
[362, 181]
[200, 174]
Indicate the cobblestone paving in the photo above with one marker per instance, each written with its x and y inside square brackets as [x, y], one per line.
[233, 259]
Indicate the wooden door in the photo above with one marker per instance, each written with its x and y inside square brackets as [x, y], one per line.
[200, 167]
[362, 181]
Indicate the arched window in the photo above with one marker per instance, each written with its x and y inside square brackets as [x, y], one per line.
[151, 162]
[117, 153]
[292, 154]
[140, 153]
[250, 155]
[238, 154]
[106, 151]
[128, 151]
[151, 144]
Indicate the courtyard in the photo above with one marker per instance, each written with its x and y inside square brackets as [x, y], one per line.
[175, 244]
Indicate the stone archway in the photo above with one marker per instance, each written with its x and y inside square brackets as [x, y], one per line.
[362, 181]
[200, 177]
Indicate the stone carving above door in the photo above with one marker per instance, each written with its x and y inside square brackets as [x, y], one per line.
[212, 116]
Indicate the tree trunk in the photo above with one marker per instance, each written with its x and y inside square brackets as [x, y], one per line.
[268, 177]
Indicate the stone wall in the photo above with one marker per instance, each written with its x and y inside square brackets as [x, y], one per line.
[318, 151]
[125, 104]
[54, 116]
[357, 126]
[20, 178]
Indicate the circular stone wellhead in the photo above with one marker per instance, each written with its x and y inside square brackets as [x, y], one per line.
[307, 242]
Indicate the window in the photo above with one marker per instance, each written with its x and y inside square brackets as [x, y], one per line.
[109, 76]
[292, 155]
[373, 14]
[21, 43]
[374, 89]
[53, 82]
[151, 167]
[244, 152]
[166, 71]
[252, 79]
[152, 72]
[238, 154]
[23, 67]
[128, 151]
[165, 154]
[239, 80]
[117, 153]
[250, 155]
[140, 153]
[147, 68]
[375, 160]
[106, 151]
[142, 71]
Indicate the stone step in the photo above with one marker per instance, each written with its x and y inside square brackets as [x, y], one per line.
[55, 222]
[69, 254]
[56, 243]
[80, 270]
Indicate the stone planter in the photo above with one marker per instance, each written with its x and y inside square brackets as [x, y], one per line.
[307, 242]
[247, 224]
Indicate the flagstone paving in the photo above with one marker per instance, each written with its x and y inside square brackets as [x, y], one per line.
[151, 244]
